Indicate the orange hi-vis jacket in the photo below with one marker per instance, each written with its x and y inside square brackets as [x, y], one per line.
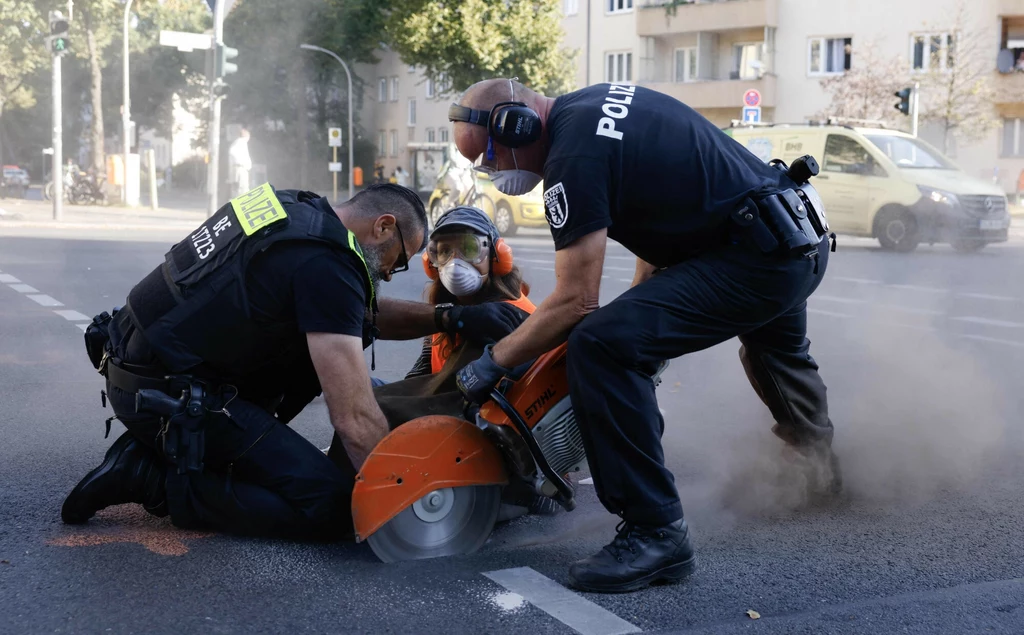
[437, 355]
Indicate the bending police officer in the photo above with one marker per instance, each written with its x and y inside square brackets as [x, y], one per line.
[738, 245]
[248, 319]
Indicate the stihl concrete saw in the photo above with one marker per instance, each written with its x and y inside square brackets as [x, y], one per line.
[433, 486]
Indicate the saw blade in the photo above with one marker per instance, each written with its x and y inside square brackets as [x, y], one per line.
[445, 522]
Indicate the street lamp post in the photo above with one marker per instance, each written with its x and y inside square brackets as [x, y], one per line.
[126, 116]
[351, 139]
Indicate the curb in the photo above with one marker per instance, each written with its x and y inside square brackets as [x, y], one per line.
[116, 226]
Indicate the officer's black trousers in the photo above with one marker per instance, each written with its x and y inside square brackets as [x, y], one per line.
[260, 476]
[733, 291]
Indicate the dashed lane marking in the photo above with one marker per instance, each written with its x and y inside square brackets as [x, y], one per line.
[587, 481]
[989, 322]
[994, 340]
[832, 298]
[855, 280]
[8, 278]
[567, 607]
[828, 313]
[607, 267]
[73, 316]
[45, 300]
[24, 288]
[82, 326]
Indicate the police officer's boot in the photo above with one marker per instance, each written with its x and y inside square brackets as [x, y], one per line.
[130, 473]
[637, 557]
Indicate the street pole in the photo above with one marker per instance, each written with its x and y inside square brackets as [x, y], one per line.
[58, 146]
[351, 138]
[917, 103]
[335, 175]
[214, 131]
[126, 117]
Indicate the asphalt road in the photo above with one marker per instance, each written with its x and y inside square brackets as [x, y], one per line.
[924, 357]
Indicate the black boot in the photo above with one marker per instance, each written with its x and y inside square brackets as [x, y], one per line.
[636, 558]
[130, 473]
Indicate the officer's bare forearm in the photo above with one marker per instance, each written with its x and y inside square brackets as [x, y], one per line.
[360, 426]
[578, 270]
[405, 320]
[644, 270]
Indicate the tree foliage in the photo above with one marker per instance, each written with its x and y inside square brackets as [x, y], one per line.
[22, 51]
[866, 90]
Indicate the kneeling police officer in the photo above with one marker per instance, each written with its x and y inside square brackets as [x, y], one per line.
[737, 247]
[248, 319]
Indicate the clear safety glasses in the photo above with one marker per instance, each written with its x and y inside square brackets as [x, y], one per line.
[469, 247]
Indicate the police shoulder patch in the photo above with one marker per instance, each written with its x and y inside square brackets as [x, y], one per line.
[556, 207]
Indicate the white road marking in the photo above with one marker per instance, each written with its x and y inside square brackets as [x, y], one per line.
[567, 607]
[72, 316]
[82, 326]
[587, 481]
[45, 300]
[828, 313]
[24, 288]
[914, 287]
[607, 267]
[905, 309]
[986, 296]
[994, 340]
[855, 280]
[630, 258]
[535, 261]
[629, 280]
[543, 268]
[988, 322]
[8, 278]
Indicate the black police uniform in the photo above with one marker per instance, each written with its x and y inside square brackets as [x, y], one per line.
[232, 310]
[668, 186]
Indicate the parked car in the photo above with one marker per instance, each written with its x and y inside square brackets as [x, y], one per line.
[459, 185]
[14, 182]
[888, 184]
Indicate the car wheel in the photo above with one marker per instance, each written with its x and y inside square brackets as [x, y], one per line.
[896, 229]
[504, 221]
[967, 246]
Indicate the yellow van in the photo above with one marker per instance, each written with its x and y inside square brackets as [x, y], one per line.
[888, 184]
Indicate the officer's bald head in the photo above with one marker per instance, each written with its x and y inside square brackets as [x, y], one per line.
[471, 139]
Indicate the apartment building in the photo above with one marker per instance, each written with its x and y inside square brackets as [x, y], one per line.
[708, 53]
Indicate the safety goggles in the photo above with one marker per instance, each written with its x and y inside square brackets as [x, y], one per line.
[469, 247]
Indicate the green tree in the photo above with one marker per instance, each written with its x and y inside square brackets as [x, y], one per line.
[466, 41]
[23, 52]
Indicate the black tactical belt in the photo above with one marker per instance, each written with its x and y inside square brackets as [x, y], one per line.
[132, 382]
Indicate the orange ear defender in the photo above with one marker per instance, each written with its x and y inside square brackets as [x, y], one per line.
[428, 267]
[501, 264]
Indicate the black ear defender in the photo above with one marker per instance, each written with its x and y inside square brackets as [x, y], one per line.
[513, 124]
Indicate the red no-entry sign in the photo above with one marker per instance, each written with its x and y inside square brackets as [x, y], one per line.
[752, 98]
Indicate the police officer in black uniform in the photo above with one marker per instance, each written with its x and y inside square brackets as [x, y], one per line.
[726, 246]
[248, 319]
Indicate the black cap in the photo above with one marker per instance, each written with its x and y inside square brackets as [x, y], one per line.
[471, 218]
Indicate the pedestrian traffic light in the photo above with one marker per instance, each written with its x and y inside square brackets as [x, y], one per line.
[58, 33]
[224, 66]
[904, 95]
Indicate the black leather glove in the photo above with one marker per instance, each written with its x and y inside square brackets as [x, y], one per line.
[485, 323]
[478, 379]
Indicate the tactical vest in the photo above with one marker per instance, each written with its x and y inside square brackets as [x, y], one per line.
[193, 309]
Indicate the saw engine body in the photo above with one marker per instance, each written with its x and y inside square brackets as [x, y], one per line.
[433, 486]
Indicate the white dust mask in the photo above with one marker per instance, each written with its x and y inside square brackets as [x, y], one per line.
[461, 278]
[515, 182]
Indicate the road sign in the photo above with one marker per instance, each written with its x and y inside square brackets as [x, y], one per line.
[334, 167]
[334, 137]
[752, 115]
[752, 98]
[186, 41]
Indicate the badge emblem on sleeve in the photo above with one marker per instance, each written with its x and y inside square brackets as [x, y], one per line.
[556, 208]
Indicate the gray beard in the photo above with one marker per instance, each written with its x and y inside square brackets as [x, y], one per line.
[372, 256]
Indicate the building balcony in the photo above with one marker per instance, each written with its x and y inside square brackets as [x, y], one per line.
[706, 15]
[1009, 88]
[724, 93]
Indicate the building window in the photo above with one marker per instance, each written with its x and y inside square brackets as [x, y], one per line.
[442, 134]
[412, 69]
[394, 89]
[382, 89]
[828, 56]
[746, 62]
[430, 88]
[932, 52]
[618, 67]
[394, 143]
[381, 143]
[619, 6]
[412, 111]
[1012, 146]
[572, 7]
[686, 65]
[430, 135]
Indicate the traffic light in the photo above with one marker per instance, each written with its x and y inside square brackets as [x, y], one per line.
[904, 95]
[58, 33]
[222, 58]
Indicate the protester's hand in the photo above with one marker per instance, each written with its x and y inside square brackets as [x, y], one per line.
[486, 323]
[477, 379]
